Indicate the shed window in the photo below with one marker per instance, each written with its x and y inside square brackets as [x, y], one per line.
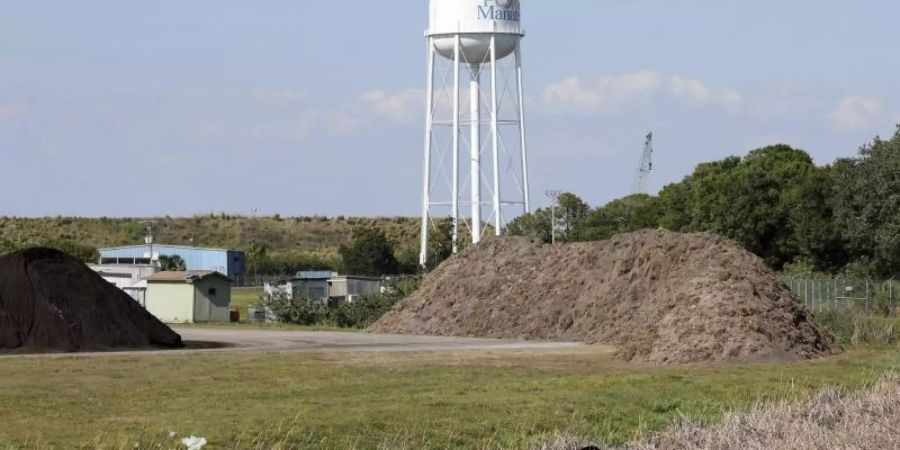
[212, 291]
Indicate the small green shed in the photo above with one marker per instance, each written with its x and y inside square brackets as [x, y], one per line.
[189, 297]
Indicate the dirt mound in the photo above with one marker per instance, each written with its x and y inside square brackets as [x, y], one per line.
[660, 296]
[51, 302]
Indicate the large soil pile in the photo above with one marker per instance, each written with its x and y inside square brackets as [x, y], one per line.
[51, 302]
[659, 296]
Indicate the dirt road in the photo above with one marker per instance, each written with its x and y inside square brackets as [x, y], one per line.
[219, 340]
[303, 341]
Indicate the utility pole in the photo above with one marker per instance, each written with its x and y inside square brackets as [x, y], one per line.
[553, 195]
[645, 168]
[149, 239]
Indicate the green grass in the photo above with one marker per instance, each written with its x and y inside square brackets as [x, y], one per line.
[241, 298]
[849, 329]
[425, 400]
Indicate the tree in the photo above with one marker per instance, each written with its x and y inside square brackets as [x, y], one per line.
[571, 211]
[440, 242]
[371, 253]
[675, 206]
[172, 263]
[819, 240]
[753, 200]
[534, 225]
[256, 256]
[440, 247]
[633, 213]
[85, 253]
[867, 204]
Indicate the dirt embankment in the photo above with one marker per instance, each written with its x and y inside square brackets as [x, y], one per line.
[51, 302]
[659, 296]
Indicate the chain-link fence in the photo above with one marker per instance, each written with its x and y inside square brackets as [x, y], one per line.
[867, 297]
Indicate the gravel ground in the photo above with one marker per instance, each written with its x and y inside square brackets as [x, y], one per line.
[219, 340]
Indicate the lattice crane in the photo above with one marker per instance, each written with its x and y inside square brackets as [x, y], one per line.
[646, 168]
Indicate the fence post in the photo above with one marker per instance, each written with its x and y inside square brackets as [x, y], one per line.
[836, 295]
[867, 297]
[891, 294]
[806, 293]
[815, 298]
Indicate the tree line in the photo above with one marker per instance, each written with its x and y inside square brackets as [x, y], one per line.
[775, 201]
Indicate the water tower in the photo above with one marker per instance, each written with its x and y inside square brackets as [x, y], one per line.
[474, 44]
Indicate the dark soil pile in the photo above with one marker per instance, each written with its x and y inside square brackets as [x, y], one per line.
[51, 302]
[659, 296]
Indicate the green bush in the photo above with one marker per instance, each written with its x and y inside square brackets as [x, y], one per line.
[359, 314]
[297, 311]
[362, 312]
[369, 308]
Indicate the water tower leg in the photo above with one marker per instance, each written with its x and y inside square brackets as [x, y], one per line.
[495, 140]
[475, 128]
[522, 142]
[426, 172]
[456, 132]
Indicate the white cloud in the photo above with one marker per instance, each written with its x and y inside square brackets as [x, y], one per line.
[611, 94]
[605, 94]
[696, 93]
[858, 113]
[404, 107]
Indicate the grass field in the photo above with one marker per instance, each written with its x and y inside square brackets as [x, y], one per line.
[427, 400]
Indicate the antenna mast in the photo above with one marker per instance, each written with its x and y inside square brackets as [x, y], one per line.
[646, 167]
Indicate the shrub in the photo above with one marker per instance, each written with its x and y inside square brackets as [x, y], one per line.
[369, 308]
[359, 314]
[296, 311]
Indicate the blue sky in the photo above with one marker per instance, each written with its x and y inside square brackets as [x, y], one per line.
[304, 107]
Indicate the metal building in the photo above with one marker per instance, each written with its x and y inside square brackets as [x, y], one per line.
[326, 287]
[189, 297]
[230, 263]
[130, 278]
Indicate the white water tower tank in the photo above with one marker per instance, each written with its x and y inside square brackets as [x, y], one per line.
[475, 21]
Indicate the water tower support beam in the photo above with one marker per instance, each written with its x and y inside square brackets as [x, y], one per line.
[426, 172]
[522, 140]
[456, 132]
[495, 137]
[475, 144]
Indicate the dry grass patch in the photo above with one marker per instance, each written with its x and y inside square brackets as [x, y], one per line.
[831, 419]
[866, 420]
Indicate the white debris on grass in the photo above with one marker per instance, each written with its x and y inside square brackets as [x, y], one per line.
[194, 442]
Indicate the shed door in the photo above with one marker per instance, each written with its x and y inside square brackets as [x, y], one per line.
[211, 300]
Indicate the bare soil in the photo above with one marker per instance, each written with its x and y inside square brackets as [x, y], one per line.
[659, 296]
[51, 302]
